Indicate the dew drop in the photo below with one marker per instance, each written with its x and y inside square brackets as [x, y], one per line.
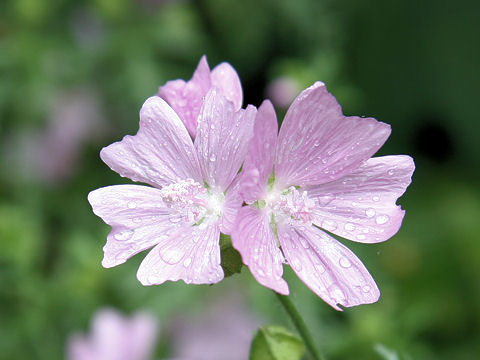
[123, 235]
[260, 272]
[390, 172]
[375, 198]
[325, 199]
[329, 225]
[336, 293]
[187, 262]
[370, 212]
[366, 289]
[320, 268]
[349, 227]
[171, 256]
[132, 204]
[345, 263]
[213, 158]
[381, 219]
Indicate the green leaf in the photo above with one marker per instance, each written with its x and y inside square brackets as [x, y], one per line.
[231, 259]
[276, 343]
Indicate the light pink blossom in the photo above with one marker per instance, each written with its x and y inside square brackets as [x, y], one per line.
[194, 194]
[115, 337]
[317, 176]
[224, 330]
[186, 97]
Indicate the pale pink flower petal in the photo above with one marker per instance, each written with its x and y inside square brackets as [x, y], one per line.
[225, 77]
[258, 164]
[192, 255]
[254, 239]
[186, 97]
[222, 138]
[318, 144]
[361, 206]
[138, 218]
[144, 332]
[160, 153]
[233, 202]
[327, 267]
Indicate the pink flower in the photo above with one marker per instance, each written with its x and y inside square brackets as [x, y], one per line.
[283, 90]
[186, 97]
[115, 337]
[224, 330]
[194, 195]
[318, 175]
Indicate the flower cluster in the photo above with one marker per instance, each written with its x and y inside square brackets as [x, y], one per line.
[216, 168]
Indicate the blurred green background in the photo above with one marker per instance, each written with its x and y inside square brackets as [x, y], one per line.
[73, 75]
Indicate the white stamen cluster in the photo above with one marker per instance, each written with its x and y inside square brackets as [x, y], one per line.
[193, 202]
[187, 197]
[294, 205]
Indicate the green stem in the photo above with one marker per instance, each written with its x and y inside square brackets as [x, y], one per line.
[300, 325]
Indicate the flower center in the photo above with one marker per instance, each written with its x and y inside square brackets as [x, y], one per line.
[290, 204]
[192, 202]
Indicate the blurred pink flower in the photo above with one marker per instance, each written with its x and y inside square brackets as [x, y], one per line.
[282, 91]
[316, 175]
[223, 331]
[51, 154]
[115, 337]
[194, 195]
[186, 97]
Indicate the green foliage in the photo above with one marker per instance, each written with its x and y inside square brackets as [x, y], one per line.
[231, 258]
[276, 343]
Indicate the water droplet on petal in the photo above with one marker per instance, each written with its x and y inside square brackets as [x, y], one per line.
[171, 256]
[375, 198]
[260, 272]
[329, 225]
[390, 172]
[325, 199]
[213, 158]
[381, 219]
[123, 235]
[345, 263]
[187, 262]
[132, 204]
[349, 226]
[370, 212]
[366, 289]
[336, 294]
